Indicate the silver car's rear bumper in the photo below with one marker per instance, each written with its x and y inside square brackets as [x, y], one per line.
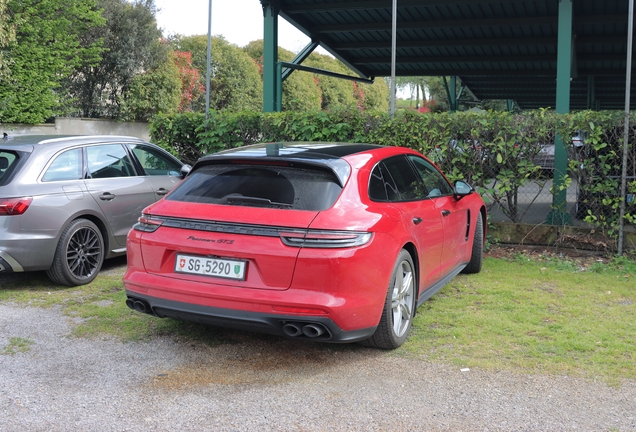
[8, 264]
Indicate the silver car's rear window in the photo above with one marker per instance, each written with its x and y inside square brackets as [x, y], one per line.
[269, 186]
[8, 161]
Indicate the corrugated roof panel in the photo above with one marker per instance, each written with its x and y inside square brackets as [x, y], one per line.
[470, 37]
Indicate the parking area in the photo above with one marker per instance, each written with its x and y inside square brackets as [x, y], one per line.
[255, 382]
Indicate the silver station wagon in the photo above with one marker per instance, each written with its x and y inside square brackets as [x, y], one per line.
[68, 202]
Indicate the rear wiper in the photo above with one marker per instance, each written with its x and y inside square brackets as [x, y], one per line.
[255, 200]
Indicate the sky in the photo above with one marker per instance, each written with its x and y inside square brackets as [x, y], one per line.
[239, 21]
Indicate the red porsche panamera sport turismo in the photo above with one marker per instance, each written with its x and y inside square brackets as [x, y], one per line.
[331, 242]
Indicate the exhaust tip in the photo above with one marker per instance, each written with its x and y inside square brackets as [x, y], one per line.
[313, 330]
[141, 307]
[130, 303]
[292, 330]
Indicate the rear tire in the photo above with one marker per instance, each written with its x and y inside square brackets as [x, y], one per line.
[79, 255]
[476, 258]
[399, 306]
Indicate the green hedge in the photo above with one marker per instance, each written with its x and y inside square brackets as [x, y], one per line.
[493, 151]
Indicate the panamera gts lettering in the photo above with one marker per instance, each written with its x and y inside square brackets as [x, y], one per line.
[224, 241]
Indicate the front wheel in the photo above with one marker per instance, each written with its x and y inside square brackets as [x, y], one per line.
[399, 306]
[79, 254]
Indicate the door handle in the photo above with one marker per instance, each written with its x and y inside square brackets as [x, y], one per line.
[107, 196]
[417, 220]
[445, 212]
[162, 191]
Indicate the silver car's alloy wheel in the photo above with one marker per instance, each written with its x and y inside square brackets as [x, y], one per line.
[402, 298]
[84, 253]
[79, 254]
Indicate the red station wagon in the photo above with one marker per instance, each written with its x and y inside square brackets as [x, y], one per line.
[332, 242]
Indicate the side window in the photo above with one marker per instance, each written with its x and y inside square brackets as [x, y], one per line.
[154, 162]
[408, 183]
[109, 160]
[65, 166]
[434, 182]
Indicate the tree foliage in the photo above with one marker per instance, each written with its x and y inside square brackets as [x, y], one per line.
[300, 92]
[48, 46]
[7, 33]
[235, 83]
[191, 86]
[132, 45]
[157, 90]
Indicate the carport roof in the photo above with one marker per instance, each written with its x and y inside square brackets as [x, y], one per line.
[499, 49]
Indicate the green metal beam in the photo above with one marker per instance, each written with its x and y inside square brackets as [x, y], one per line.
[300, 57]
[558, 215]
[270, 53]
[280, 72]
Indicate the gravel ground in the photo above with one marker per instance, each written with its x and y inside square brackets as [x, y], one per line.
[272, 384]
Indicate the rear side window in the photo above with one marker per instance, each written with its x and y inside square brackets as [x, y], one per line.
[284, 187]
[65, 166]
[8, 161]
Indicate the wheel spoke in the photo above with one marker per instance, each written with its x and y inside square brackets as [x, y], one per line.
[402, 298]
[83, 253]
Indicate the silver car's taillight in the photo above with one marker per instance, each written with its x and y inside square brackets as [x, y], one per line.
[14, 206]
[324, 239]
[147, 223]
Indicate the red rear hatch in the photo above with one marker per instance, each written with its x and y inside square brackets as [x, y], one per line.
[212, 234]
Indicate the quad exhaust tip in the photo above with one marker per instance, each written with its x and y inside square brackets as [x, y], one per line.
[139, 305]
[310, 330]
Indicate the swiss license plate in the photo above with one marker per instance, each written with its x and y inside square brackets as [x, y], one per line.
[217, 267]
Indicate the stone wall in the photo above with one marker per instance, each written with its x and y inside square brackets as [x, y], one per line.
[80, 126]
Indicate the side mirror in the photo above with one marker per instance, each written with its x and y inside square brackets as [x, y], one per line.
[185, 170]
[462, 189]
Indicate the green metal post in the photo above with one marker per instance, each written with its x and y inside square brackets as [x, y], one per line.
[279, 87]
[558, 215]
[270, 53]
[453, 94]
[511, 105]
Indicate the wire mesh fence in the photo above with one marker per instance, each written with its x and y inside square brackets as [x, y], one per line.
[516, 173]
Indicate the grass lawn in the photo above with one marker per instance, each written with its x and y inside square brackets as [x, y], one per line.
[528, 313]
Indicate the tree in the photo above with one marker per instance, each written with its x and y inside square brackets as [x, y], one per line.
[152, 92]
[7, 33]
[191, 86]
[47, 48]
[375, 96]
[300, 90]
[235, 83]
[133, 46]
[336, 92]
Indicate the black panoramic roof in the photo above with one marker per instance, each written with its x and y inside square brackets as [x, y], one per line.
[327, 155]
[500, 49]
[296, 150]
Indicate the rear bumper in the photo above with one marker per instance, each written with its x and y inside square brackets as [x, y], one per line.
[8, 264]
[321, 329]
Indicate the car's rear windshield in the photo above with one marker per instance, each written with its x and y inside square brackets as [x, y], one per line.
[284, 187]
[8, 162]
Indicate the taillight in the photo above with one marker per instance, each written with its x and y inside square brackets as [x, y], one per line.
[324, 239]
[147, 223]
[14, 206]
